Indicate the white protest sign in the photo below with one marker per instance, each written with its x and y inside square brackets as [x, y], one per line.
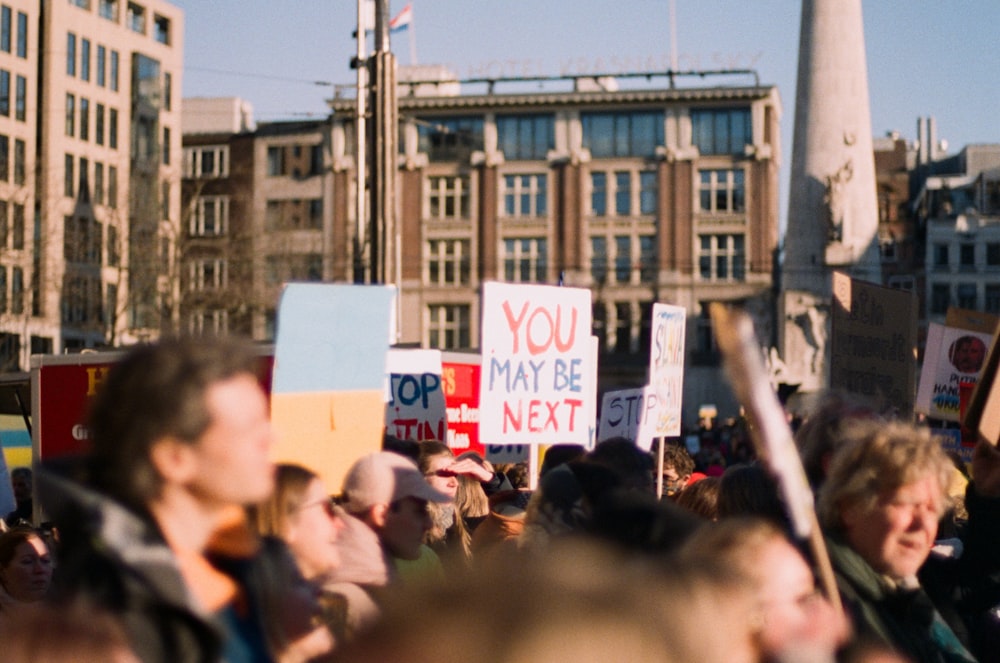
[666, 367]
[629, 413]
[416, 408]
[951, 356]
[537, 374]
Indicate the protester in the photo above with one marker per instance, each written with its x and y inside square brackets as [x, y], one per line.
[880, 505]
[633, 465]
[180, 438]
[78, 632]
[701, 498]
[819, 435]
[678, 466]
[21, 484]
[25, 570]
[749, 490]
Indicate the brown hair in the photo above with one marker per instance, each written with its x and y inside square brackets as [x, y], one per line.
[12, 538]
[290, 484]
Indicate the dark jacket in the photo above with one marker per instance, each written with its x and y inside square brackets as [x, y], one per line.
[905, 619]
[118, 560]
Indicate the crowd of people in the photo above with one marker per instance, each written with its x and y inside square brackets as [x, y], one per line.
[176, 539]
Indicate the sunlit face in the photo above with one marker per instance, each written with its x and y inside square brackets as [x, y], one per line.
[311, 532]
[234, 465]
[896, 534]
[439, 476]
[406, 522]
[29, 574]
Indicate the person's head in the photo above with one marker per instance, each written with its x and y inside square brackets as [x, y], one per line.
[701, 498]
[781, 581]
[300, 511]
[25, 565]
[677, 468]
[820, 434]
[435, 460]
[967, 354]
[20, 482]
[558, 454]
[187, 413]
[50, 633]
[388, 492]
[748, 490]
[885, 493]
[633, 465]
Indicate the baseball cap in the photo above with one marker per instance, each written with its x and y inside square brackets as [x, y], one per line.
[384, 477]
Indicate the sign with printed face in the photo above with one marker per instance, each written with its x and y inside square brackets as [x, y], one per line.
[666, 367]
[537, 370]
[415, 409]
[952, 356]
[629, 413]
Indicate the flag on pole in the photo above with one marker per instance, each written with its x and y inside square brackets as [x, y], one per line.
[403, 19]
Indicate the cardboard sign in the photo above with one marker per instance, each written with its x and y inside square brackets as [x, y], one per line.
[873, 341]
[666, 367]
[415, 409]
[951, 356]
[460, 384]
[537, 371]
[328, 389]
[629, 413]
[982, 414]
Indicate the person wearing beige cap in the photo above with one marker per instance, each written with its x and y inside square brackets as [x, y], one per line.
[388, 493]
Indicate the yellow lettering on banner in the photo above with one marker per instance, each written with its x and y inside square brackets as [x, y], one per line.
[95, 376]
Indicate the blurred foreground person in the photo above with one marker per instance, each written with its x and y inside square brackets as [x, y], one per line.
[579, 602]
[25, 570]
[76, 632]
[180, 441]
[880, 505]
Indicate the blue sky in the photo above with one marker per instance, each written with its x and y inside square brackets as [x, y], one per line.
[925, 57]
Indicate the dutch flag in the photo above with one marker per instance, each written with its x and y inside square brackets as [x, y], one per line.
[402, 20]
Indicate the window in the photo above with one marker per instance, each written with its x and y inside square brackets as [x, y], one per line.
[303, 267]
[17, 227]
[85, 59]
[448, 262]
[525, 260]
[113, 128]
[599, 316]
[721, 191]
[991, 299]
[649, 192]
[451, 138]
[275, 161]
[70, 54]
[98, 183]
[706, 349]
[212, 321]
[102, 56]
[294, 214]
[84, 118]
[207, 273]
[165, 147]
[967, 295]
[448, 197]
[114, 71]
[525, 137]
[168, 90]
[161, 29]
[623, 134]
[966, 257]
[940, 253]
[524, 196]
[85, 4]
[623, 259]
[721, 131]
[114, 248]
[993, 254]
[623, 193]
[448, 326]
[82, 240]
[21, 102]
[108, 9]
[70, 115]
[4, 158]
[3, 289]
[648, 267]
[99, 125]
[721, 257]
[5, 16]
[599, 259]
[20, 161]
[83, 187]
[4, 227]
[135, 18]
[623, 327]
[598, 194]
[206, 161]
[112, 187]
[68, 181]
[16, 290]
[22, 35]
[211, 216]
[4, 92]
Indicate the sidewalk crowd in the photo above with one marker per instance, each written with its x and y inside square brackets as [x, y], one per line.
[175, 539]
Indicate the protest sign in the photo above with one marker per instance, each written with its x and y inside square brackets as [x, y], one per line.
[537, 372]
[952, 356]
[328, 387]
[415, 409]
[872, 342]
[460, 384]
[629, 413]
[666, 367]
[982, 414]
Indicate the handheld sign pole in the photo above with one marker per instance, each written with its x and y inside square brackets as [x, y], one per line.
[659, 468]
[770, 433]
